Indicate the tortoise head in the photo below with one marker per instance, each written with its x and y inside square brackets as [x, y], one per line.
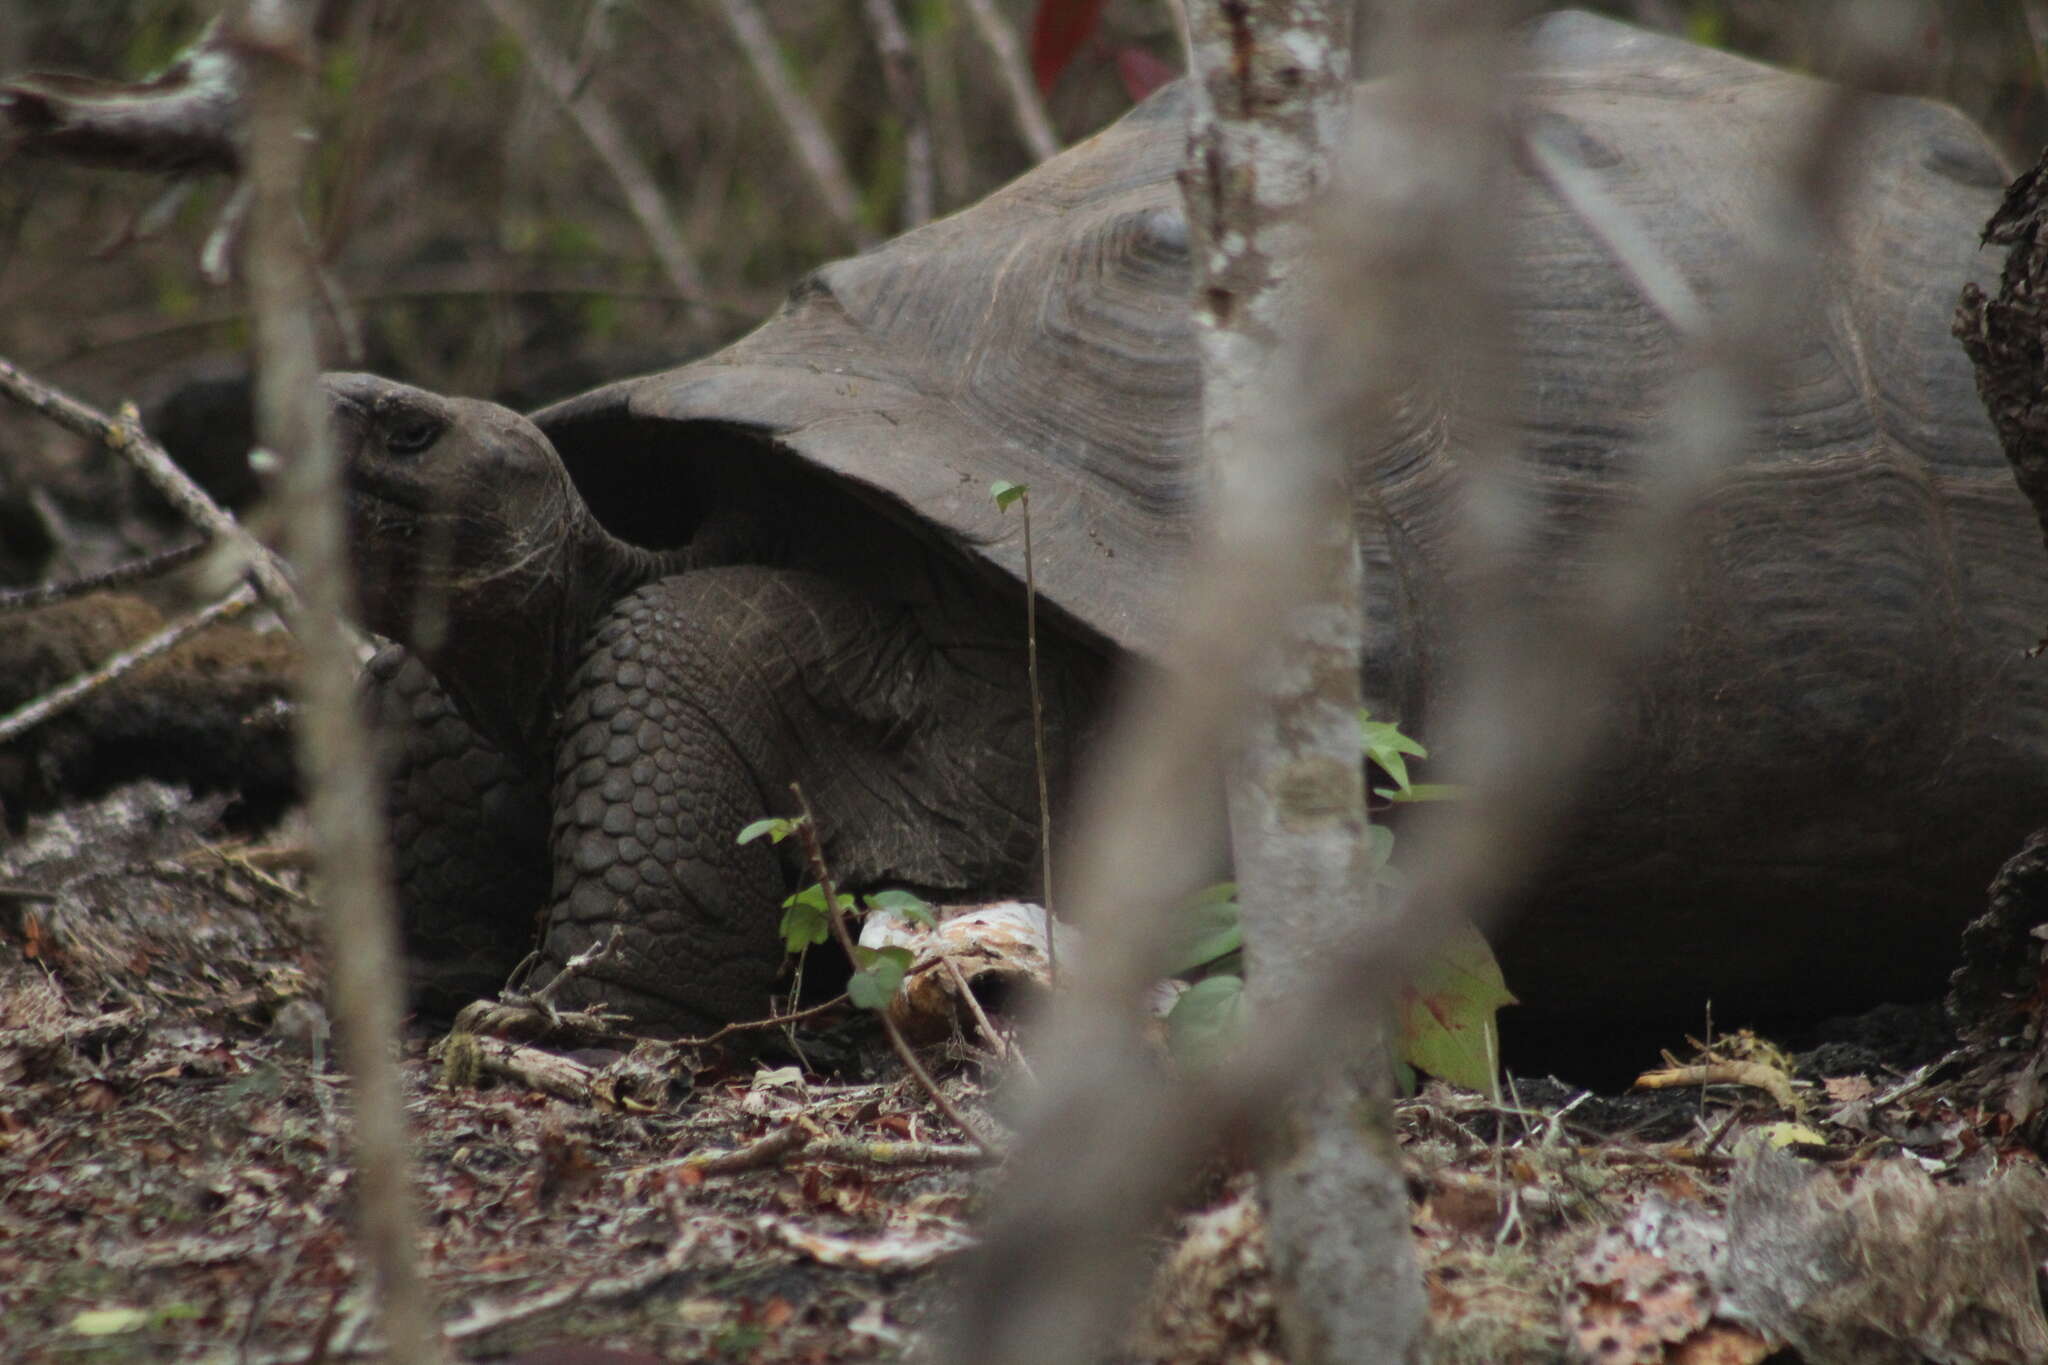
[459, 511]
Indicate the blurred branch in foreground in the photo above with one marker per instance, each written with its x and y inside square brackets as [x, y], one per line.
[1271, 95]
[343, 801]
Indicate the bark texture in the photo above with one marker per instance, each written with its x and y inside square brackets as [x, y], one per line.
[1271, 98]
[2007, 337]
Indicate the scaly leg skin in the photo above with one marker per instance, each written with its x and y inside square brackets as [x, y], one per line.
[468, 839]
[701, 698]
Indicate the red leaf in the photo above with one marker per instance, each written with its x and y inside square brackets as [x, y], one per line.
[1058, 31]
[1142, 71]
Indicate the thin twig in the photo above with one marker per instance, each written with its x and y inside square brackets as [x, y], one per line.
[768, 1150]
[800, 123]
[801, 1139]
[1038, 743]
[63, 698]
[772, 1021]
[899, 70]
[1025, 105]
[134, 571]
[807, 830]
[643, 196]
[577, 965]
[125, 437]
[996, 1041]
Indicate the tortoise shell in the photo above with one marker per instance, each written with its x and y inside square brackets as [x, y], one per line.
[1819, 765]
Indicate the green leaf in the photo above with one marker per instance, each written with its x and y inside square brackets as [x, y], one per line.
[1385, 744]
[806, 919]
[1005, 493]
[1426, 791]
[1206, 1021]
[879, 978]
[108, 1322]
[1447, 1012]
[1206, 930]
[908, 904]
[1382, 852]
[775, 827]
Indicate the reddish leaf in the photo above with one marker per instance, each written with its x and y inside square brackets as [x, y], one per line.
[1142, 71]
[1058, 32]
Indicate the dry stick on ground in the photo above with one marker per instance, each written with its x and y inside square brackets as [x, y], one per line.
[125, 437]
[899, 70]
[814, 851]
[343, 801]
[800, 1139]
[61, 699]
[1025, 105]
[800, 123]
[643, 197]
[120, 576]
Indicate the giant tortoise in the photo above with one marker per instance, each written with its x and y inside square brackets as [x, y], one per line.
[782, 562]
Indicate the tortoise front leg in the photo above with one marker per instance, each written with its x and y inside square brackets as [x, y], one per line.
[468, 839]
[665, 751]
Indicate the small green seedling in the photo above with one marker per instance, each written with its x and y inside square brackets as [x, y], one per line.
[1446, 1023]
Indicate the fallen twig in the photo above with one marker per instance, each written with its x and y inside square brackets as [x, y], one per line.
[772, 1021]
[807, 830]
[821, 160]
[466, 1057]
[1025, 105]
[1756, 1075]
[543, 999]
[996, 1040]
[63, 698]
[802, 1140]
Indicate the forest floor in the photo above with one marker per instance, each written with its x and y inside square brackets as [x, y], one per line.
[174, 1181]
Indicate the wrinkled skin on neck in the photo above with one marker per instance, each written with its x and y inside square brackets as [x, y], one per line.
[473, 549]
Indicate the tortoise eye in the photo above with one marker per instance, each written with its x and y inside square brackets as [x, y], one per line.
[412, 437]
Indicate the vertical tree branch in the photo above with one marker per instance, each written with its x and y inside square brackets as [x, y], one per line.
[1271, 96]
[643, 197]
[1025, 105]
[899, 69]
[344, 802]
[807, 135]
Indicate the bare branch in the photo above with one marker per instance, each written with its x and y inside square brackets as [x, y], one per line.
[814, 149]
[1025, 105]
[62, 699]
[134, 571]
[899, 69]
[643, 197]
[276, 39]
[125, 437]
[185, 120]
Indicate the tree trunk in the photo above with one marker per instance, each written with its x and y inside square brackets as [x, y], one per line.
[1271, 100]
